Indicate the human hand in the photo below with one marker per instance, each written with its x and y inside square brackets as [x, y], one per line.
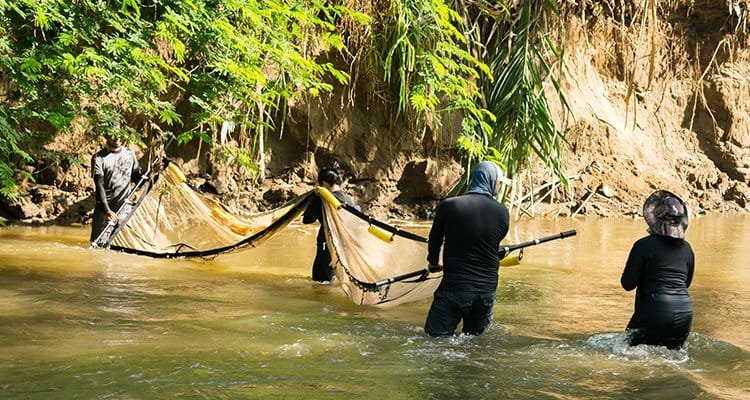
[435, 268]
[112, 216]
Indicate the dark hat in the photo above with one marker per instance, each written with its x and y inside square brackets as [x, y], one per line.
[333, 174]
[666, 214]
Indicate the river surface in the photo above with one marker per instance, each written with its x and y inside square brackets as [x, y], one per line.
[87, 324]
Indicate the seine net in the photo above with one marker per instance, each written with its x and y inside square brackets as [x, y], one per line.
[365, 251]
[173, 220]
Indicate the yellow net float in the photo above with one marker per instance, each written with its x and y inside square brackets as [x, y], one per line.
[381, 234]
[175, 173]
[225, 218]
[329, 197]
[512, 260]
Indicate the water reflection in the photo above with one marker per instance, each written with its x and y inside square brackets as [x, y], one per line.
[97, 324]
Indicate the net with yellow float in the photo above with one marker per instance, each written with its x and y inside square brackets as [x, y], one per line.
[174, 220]
[380, 264]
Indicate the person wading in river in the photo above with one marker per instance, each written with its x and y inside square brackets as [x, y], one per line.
[331, 178]
[469, 228]
[661, 267]
[113, 169]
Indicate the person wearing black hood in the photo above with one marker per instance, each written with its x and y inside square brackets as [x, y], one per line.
[661, 267]
[331, 178]
[469, 228]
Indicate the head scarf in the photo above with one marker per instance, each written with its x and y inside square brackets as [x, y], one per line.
[666, 214]
[486, 177]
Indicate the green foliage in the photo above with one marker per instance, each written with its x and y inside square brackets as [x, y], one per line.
[423, 53]
[121, 67]
[9, 151]
[192, 67]
[520, 55]
[484, 60]
[240, 156]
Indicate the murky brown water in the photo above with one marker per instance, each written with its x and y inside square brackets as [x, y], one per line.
[76, 323]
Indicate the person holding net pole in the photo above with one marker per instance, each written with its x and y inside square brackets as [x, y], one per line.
[331, 178]
[114, 169]
[469, 229]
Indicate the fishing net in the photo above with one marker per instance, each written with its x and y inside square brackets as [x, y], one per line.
[368, 253]
[375, 263]
[173, 220]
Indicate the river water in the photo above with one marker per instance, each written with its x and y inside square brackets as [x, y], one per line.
[87, 324]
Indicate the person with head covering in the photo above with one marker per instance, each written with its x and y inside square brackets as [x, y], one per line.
[660, 267]
[113, 168]
[469, 229]
[331, 178]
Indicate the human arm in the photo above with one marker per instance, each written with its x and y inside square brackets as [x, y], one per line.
[135, 169]
[504, 223]
[313, 212]
[436, 237]
[101, 195]
[633, 268]
[690, 267]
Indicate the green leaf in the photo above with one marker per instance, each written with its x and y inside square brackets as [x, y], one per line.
[169, 117]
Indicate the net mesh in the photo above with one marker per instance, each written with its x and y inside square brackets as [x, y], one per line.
[365, 251]
[370, 257]
[173, 220]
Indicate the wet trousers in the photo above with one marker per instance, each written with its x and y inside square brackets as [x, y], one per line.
[322, 270]
[661, 319]
[449, 307]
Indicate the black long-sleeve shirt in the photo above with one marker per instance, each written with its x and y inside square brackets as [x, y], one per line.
[470, 228]
[659, 264]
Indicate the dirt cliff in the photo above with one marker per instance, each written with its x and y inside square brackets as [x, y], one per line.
[660, 102]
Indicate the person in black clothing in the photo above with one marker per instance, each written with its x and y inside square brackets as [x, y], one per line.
[661, 267]
[469, 228]
[330, 178]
